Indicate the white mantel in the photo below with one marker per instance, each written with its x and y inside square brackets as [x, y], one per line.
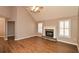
[49, 27]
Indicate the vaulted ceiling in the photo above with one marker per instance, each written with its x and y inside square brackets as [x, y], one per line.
[54, 12]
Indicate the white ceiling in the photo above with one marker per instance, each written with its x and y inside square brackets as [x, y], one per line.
[54, 12]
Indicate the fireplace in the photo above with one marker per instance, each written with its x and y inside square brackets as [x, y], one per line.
[49, 32]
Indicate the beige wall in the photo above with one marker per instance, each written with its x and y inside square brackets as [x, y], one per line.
[5, 11]
[74, 29]
[25, 26]
[13, 13]
[8, 12]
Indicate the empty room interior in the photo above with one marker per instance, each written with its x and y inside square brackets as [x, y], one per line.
[39, 29]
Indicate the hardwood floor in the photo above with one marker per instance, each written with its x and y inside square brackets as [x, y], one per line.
[11, 37]
[39, 45]
[3, 45]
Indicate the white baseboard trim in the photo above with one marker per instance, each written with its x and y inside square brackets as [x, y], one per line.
[10, 35]
[24, 37]
[67, 42]
[40, 36]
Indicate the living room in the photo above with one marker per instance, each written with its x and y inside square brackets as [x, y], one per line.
[50, 28]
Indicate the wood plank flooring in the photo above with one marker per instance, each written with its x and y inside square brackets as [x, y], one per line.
[3, 45]
[39, 45]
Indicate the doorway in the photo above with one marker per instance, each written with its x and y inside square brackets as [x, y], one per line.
[11, 30]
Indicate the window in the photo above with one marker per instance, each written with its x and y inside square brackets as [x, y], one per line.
[64, 28]
[40, 27]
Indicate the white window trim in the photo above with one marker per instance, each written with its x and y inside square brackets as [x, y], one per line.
[40, 29]
[64, 32]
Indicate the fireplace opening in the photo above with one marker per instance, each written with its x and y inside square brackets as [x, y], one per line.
[49, 32]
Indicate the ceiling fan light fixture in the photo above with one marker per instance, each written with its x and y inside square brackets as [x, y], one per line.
[36, 9]
[33, 8]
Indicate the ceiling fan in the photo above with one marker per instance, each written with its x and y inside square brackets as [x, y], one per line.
[36, 9]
